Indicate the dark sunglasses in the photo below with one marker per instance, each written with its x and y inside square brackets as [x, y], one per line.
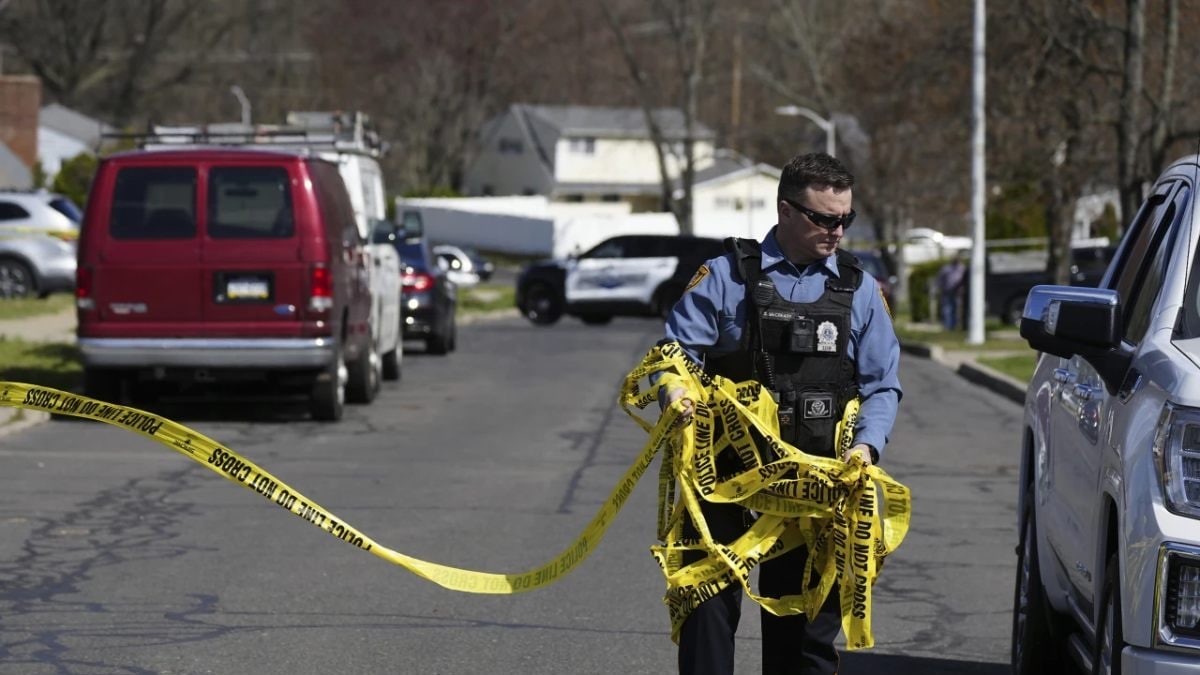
[824, 220]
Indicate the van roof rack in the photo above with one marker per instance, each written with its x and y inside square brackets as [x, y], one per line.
[312, 131]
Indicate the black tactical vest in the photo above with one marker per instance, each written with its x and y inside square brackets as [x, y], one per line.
[799, 351]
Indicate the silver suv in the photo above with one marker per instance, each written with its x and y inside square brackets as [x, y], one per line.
[1109, 556]
[38, 231]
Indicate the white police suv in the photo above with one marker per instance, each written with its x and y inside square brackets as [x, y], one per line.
[631, 275]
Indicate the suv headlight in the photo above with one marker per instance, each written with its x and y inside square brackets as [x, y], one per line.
[1177, 452]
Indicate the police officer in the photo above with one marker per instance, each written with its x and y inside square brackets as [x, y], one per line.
[803, 318]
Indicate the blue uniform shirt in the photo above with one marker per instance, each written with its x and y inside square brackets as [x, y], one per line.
[709, 318]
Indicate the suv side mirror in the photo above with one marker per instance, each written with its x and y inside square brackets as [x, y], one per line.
[1069, 320]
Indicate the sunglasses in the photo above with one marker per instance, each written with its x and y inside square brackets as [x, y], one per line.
[824, 220]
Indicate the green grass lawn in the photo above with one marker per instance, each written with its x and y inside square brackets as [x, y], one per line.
[1017, 366]
[486, 297]
[997, 336]
[20, 308]
[51, 364]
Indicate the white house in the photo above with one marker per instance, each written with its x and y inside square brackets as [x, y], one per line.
[733, 197]
[580, 154]
[64, 133]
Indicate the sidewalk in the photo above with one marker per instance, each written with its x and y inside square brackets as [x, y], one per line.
[45, 328]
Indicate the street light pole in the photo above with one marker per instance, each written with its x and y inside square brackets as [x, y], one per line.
[826, 125]
[975, 332]
[245, 102]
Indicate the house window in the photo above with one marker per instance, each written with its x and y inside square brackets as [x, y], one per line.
[758, 203]
[583, 146]
[528, 192]
[610, 198]
[573, 198]
[724, 202]
[511, 146]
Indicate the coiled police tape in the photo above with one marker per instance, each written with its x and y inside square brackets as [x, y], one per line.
[787, 505]
[25, 232]
[831, 507]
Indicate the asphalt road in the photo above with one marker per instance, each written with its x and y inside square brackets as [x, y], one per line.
[120, 556]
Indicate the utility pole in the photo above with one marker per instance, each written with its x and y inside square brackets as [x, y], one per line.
[975, 333]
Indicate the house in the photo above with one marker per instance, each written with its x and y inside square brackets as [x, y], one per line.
[64, 133]
[13, 172]
[20, 98]
[733, 196]
[581, 154]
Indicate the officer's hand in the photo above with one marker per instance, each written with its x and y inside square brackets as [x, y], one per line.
[861, 450]
[689, 406]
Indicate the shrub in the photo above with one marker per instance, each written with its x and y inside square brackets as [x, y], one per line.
[920, 279]
[75, 177]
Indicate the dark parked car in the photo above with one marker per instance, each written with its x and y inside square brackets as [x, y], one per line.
[203, 266]
[428, 296]
[1005, 292]
[630, 275]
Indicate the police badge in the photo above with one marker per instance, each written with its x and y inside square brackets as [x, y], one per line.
[827, 337]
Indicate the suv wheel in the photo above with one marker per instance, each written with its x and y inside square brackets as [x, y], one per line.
[364, 373]
[16, 279]
[1034, 648]
[328, 398]
[439, 342]
[542, 305]
[1110, 639]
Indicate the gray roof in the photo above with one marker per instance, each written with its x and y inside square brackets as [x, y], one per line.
[74, 124]
[727, 164]
[13, 172]
[576, 120]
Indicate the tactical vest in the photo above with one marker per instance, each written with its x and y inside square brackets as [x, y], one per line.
[799, 351]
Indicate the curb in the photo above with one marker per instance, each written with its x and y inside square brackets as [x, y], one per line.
[976, 373]
[9, 424]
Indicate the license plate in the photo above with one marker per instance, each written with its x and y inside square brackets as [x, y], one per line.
[247, 289]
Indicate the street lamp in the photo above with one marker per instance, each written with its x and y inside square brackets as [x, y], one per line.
[826, 125]
[245, 103]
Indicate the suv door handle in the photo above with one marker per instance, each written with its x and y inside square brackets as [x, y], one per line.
[1084, 392]
[1063, 376]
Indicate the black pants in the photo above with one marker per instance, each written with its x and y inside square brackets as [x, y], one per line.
[791, 645]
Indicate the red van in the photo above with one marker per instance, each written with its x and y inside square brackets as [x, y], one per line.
[223, 265]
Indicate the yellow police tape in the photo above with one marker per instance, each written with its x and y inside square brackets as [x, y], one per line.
[829, 506]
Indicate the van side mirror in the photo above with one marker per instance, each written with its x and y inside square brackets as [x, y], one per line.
[383, 232]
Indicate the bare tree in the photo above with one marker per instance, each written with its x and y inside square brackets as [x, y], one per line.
[687, 26]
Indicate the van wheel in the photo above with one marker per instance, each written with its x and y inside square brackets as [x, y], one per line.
[542, 305]
[453, 334]
[1034, 646]
[665, 299]
[438, 343]
[391, 365]
[101, 384]
[1110, 640]
[16, 279]
[328, 399]
[365, 373]
[596, 319]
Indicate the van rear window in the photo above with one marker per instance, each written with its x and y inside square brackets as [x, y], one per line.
[154, 203]
[249, 203]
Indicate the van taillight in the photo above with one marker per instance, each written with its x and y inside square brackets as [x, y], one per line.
[83, 288]
[321, 297]
[416, 282]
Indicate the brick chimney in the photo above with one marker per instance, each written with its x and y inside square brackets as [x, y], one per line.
[20, 101]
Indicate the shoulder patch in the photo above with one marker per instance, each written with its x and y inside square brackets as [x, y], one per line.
[702, 272]
[883, 299]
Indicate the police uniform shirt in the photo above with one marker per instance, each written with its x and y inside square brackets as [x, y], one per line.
[710, 317]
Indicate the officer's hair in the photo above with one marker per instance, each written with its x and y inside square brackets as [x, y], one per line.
[818, 170]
